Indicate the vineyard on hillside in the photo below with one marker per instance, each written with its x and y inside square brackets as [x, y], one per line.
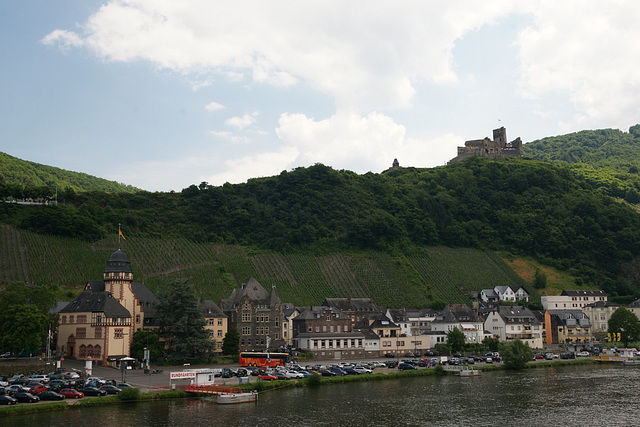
[215, 270]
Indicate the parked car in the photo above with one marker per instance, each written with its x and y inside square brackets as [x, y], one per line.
[26, 397]
[40, 378]
[267, 377]
[583, 354]
[352, 371]
[71, 393]
[391, 363]
[92, 391]
[122, 386]
[363, 369]
[50, 395]
[568, 355]
[293, 375]
[110, 389]
[37, 389]
[71, 376]
[227, 373]
[7, 400]
[406, 367]
[17, 388]
[326, 373]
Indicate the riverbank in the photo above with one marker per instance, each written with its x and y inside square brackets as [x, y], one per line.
[260, 387]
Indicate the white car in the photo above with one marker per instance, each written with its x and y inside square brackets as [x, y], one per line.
[293, 374]
[583, 354]
[362, 370]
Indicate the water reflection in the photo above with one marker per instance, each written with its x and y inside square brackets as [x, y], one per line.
[592, 395]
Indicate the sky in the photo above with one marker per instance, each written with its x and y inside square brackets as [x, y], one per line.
[163, 94]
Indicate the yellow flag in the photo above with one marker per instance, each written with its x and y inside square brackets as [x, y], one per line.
[120, 233]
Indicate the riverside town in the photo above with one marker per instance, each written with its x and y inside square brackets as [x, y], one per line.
[277, 340]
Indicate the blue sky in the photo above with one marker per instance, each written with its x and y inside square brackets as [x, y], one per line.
[163, 94]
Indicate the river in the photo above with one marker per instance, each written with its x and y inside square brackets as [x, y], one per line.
[561, 396]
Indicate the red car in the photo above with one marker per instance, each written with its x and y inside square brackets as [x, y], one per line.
[71, 393]
[267, 377]
[38, 389]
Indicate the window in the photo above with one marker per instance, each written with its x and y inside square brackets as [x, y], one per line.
[71, 319]
[118, 333]
[82, 319]
[359, 343]
[64, 319]
[219, 322]
[246, 316]
[98, 333]
[83, 351]
[137, 318]
[81, 332]
[246, 330]
[219, 334]
[210, 334]
[210, 322]
[97, 352]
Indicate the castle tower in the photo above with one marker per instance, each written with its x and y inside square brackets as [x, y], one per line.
[118, 275]
[500, 137]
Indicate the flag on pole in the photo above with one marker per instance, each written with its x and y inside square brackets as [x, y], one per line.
[120, 233]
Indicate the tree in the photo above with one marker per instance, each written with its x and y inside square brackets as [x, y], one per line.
[492, 344]
[231, 342]
[516, 354]
[146, 338]
[626, 323]
[182, 323]
[456, 339]
[22, 327]
[540, 279]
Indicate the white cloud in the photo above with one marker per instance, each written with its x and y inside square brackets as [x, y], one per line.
[255, 166]
[366, 55]
[214, 106]
[585, 50]
[65, 40]
[230, 136]
[241, 122]
[361, 144]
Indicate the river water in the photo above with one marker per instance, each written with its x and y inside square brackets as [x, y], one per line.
[562, 396]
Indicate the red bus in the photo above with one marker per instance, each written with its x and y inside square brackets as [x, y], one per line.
[263, 359]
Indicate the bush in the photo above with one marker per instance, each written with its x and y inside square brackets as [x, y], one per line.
[314, 380]
[129, 393]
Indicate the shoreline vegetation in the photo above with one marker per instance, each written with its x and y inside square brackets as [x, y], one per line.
[134, 395]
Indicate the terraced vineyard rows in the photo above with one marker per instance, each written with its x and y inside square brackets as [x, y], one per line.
[215, 270]
[337, 273]
[385, 281]
[13, 260]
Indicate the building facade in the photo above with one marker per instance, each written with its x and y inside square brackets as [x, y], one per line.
[99, 323]
[257, 316]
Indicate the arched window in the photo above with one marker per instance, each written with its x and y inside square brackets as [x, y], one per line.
[64, 319]
[90, 350]
[97, 352]
[83, 351]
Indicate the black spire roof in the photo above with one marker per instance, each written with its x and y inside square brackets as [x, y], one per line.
[118, 263]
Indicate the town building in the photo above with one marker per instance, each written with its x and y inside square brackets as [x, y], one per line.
[256, 314]
[567, 327]
[463, 318]
[572, 299]
[504, 294]
[99, 323]
[515, 322]
[600, 312]
[215, 322]
[356, 308]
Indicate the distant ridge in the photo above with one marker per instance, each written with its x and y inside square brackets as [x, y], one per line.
[18, 172]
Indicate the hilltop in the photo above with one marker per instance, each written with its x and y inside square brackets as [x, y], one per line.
[405, 237]
[23, 179]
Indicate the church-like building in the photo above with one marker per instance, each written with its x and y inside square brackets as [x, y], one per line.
[99, 323]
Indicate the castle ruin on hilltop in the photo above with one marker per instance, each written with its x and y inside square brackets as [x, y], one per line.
[499, 148]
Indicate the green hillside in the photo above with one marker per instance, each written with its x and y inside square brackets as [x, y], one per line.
[439, 275]
[20, 179]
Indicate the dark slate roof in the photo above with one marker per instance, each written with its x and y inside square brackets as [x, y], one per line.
[603, 304]
[57, 306]
[457, 313]
[252, 290]
[351, 304]
[517, 314]
[580, 293]
[95, 286]
[350, 334]
[210, 309]
[118, 263]
[104, 302]
[317, 312]
[635, 304]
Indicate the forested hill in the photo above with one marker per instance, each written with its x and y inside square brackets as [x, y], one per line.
[608, 159]
[521, 206]
[22, 179]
